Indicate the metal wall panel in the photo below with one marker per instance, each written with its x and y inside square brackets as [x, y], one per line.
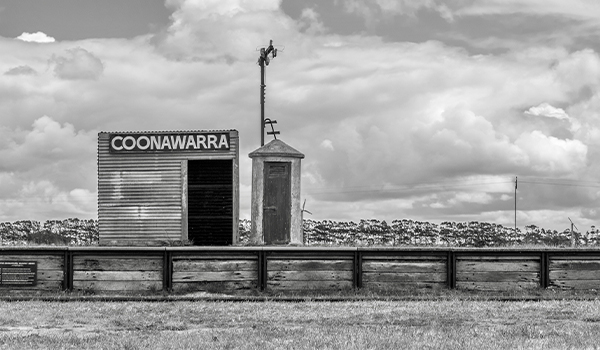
[141, 195]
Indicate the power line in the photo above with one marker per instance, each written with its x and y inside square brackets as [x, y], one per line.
[559, 184]
[442, 187]
[418, 188]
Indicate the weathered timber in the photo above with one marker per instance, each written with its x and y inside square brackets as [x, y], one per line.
[498, 257]
[571, 257]
[404, 277]
[41, 285]
[498, 276]
[403, 266]
[50, 275]
[223, 276]
[214, 286]
[475, 266]
[404, 285]
[497, 286]
[214, 256]
[314, 265]
[309, 276]
[307, 257]
[109, 263]
[576, 284]
[118, 285]
[44, 262]
[117, 275]
[214, 266]
[401, 257]
[575, 275]
[309, 285]
[574, 265]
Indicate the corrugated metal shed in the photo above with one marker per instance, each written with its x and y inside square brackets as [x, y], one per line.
[143, 186]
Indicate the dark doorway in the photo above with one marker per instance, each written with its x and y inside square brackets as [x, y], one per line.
[277, 202]
[210, 202]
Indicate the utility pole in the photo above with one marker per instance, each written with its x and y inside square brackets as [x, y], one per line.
[515, 204]
[263, 60]
[573, 237]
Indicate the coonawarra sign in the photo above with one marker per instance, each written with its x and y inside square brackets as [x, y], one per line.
[120, 143]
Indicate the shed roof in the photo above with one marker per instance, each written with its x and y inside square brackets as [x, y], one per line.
[166, 131]
[276, 148]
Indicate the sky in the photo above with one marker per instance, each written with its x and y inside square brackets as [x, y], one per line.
[425, 110]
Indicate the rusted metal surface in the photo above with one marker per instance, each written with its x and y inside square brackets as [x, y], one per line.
[142, 194]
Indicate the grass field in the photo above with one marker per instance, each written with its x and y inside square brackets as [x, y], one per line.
[450, 324]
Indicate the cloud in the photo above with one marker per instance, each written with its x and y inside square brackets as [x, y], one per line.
[77, 64]
[327, 144]
[547, 154]
[21, 70]
[310, 22]
[36, 197]
[546, 110]
[481, 26]
[46, 144]
[197, 31]
[37, 37]
[44, 171]
[577, 9]
[383, 10]
[389, 129]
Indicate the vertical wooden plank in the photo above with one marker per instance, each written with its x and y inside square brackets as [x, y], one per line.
[355, 270]
[262, 270]
[70, 273]
[359, 273]
[544, 270]
[449, 269]
[259, 277]
[453, 277]
[167, 275]
[65, 282]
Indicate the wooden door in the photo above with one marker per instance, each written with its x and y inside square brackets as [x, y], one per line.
[277, 202]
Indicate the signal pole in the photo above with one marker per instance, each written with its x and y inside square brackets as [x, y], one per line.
[515, 204]
[263, 60]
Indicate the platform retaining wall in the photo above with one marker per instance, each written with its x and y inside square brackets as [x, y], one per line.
[188, 269]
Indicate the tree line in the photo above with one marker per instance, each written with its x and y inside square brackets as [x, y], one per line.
[77, 232]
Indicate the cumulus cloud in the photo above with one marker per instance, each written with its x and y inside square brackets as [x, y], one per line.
[47, 143]
[197, 31]
[46, 170]
[546, 110]
[402, 129]
[552, 155]
[37, 37]
[77, 64]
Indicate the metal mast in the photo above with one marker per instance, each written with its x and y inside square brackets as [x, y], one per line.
[263, 60]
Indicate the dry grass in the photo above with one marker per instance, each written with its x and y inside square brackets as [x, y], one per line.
[450, 324]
